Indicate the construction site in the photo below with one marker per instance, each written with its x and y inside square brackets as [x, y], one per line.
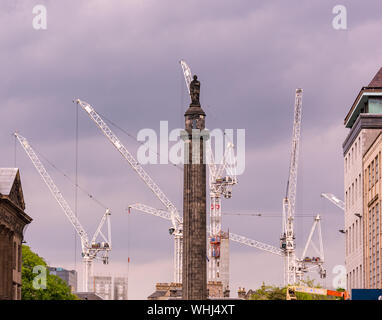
[161, 153]
[207, 254]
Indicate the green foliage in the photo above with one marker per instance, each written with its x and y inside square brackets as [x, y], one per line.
[269, 293]
[56, 288]
[279, 293]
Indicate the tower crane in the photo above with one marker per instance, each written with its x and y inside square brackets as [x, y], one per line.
[333, 199]
[221, 180]
[293, 266]
[305, 263]
[287, 239]
[136, 166]
[91, 250]
[232, 236]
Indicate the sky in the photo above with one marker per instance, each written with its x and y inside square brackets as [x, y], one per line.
[122, 57]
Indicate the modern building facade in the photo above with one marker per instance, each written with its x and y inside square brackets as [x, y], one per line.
[364, 120]
[69, 276]
[13, 220]
[372, 245]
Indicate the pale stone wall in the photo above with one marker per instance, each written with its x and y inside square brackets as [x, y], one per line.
[372, 215]
[354, 195]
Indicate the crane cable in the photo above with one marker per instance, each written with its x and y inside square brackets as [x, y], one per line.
[76, 188]
[71, 180]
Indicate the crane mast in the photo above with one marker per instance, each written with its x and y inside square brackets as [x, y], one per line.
[221, 180]
[288, 237]
[89, 250]
[135, 165]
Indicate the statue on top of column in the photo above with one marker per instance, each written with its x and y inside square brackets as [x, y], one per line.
[195, 91]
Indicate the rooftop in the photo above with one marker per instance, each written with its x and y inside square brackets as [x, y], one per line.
[7, 178]
[369, 100]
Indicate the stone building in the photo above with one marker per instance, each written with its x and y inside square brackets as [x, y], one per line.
[13, 220]
[372, 244]
[364, 120]
[173, 291]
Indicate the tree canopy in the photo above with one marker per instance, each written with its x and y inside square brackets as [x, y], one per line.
[266, 292]
[55, 289]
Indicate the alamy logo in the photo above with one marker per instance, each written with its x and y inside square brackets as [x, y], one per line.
[39, 282]
[340, 20]
[178, 152]
[39, 21]
[339, 281]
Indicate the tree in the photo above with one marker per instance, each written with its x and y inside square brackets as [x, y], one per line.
[279, 293]
[55, 289]
[268, 293]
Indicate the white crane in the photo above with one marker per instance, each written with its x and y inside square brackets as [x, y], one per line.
[294, 267]
[333, 199]
[221, 180]
[232, 236]
[287, 238]
[305, 263]
[90, 250]
[136, 166]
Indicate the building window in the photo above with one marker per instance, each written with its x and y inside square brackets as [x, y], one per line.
[359, 145]
[352, 155]
[368, 168]
[360, 186]
[14, 258]
[346, 200]
[19, 258]
[347, 242]
[352, 194]
[376, 168]
[372, 173]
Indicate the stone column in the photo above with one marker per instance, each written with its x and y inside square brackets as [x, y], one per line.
[194, 282]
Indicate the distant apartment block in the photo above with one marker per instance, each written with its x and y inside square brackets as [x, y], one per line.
[365, 123]
[102, 286]
[120, 288]
[109, 288]
[69, 276]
